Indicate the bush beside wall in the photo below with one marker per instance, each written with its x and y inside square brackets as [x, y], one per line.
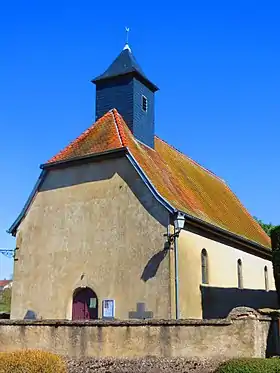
[250, 366]
[31, 361]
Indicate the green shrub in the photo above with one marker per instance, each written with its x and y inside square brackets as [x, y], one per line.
[250, 366]
[5, 300]
[31, 361]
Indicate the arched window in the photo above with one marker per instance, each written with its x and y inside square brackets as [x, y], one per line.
[239, 274]
[204, 267]
[266, 278]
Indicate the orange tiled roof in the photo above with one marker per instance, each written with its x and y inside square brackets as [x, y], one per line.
[4, 282]
[185, 184]
[100, 137]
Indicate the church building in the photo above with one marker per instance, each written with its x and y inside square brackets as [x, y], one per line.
[121, 224]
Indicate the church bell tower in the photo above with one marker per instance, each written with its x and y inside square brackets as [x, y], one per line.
[125, 87]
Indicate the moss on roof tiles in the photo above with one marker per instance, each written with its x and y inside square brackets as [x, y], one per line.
[181, 181]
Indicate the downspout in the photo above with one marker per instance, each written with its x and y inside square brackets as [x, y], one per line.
[173, 238]
[179, 223]
[176, 263]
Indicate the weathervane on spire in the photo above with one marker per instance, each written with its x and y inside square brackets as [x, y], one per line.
[127, 34]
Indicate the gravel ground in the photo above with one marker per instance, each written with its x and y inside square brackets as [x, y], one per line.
[144, 365]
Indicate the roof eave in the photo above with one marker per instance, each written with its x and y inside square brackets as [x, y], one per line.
[13, 228]
[135, 73]
[149, 184]
[58, 164]
[106, 154]
[254, 246]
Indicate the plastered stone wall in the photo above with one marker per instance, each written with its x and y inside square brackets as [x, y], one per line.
[223, 280]
[245, 337]
[94, 225]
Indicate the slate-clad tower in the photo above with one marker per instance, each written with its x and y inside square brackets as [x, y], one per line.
[125, 87]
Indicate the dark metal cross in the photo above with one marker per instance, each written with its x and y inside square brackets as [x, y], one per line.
[140, 312]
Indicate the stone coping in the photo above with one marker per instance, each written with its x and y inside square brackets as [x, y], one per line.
[117, 323]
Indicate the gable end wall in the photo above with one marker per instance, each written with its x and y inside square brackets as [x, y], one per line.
[93, 225]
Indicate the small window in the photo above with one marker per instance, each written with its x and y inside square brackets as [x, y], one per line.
[239, 274]
[266, 278]
[144, 103]
[204, 267]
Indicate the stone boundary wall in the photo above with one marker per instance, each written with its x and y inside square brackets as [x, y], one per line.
[243, 335]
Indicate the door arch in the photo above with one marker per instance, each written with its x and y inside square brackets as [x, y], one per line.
[85, 304]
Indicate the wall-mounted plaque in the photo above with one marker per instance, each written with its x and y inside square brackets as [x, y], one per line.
[92, 303]
[108, 308]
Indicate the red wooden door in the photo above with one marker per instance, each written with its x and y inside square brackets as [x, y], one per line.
[85, 305]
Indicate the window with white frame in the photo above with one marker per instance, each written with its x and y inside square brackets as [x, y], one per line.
[144, 103]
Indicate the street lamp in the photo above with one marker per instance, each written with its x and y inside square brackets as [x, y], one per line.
[8, 252]
[179, 223]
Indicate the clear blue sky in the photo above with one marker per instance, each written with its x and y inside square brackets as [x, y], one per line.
[217, 64]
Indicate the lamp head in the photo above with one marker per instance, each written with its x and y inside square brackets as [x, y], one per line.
[179, 222]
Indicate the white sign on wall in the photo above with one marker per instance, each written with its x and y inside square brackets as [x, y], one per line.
[108, 308]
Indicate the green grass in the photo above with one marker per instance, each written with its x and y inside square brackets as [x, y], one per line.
[252, 365]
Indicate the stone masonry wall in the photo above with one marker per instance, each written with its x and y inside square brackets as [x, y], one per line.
[247, 336]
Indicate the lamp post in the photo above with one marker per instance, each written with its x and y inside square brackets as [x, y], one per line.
[7, 252]
[179, 223]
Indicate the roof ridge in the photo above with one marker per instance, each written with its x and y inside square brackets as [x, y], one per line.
[116, 125]
[193, 161]
[119, 126]
[77, 139]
